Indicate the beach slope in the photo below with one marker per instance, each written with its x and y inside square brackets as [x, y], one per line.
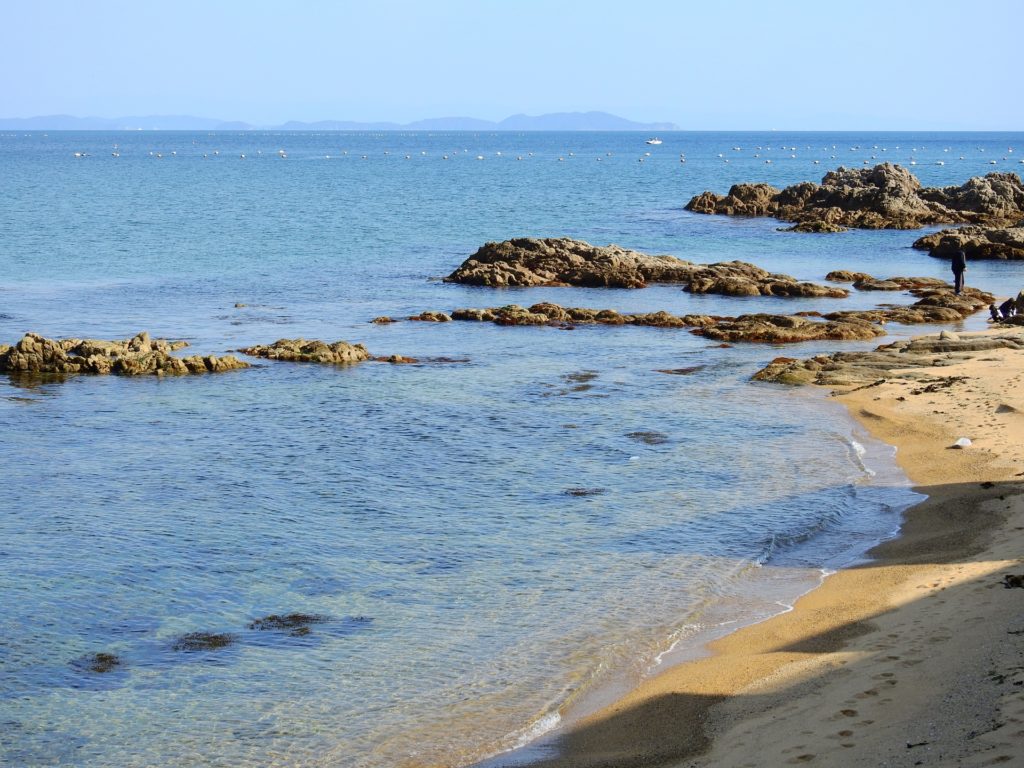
[914, 658]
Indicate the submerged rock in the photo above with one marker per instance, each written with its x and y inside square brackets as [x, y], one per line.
[98, 663]
[295, 624]
[138, 356]
[203, 641]
[886, 196]
[977, 242]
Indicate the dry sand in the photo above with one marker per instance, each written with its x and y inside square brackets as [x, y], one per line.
[916, 658]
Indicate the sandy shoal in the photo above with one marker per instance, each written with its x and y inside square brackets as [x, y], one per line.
[915, 658]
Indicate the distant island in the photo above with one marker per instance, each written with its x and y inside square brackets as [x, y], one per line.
[557, 121]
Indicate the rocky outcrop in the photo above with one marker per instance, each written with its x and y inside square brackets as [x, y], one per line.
[324, 352]
[565, 262]
[138, 356]
[787, 329]
[886, 196]
[738, 278]
[860, 368]
[773, 329]
[976, 242]
[553, 314]
[934, 305]
[316, 351]
[562, 261]
[865, 282]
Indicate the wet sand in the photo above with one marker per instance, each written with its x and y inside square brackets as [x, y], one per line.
[914, 658]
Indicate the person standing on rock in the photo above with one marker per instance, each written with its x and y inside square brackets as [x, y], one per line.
[959, 267]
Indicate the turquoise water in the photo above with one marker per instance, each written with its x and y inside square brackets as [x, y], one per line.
[427, 511]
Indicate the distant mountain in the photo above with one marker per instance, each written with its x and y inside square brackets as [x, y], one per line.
[559, 121]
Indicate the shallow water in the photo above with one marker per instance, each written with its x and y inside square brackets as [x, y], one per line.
[489, 539]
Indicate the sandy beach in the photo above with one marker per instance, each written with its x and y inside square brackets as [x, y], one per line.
[915, 658]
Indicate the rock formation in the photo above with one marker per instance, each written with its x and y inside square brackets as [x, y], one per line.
[934, 305]
[326, 353]
[886, 196]
[738, 278]
[976, 242]
[552, 314]
[786, 329]
[316, 351]
[861, 368]
[564, 262]
[865, 282]
[138, 356]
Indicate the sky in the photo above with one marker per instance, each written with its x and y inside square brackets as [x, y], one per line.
[707, 65]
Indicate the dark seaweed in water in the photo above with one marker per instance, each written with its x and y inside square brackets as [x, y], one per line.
[648, 437]
[580, 377]
[681, 371]
[584, 491]
[98, 663]
[296, 624]
[203, 641]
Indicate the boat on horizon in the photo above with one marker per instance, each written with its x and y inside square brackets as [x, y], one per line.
[655, 140]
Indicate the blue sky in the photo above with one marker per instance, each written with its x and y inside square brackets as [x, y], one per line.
[703, 65]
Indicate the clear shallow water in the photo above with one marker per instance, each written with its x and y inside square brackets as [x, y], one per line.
[423, 508]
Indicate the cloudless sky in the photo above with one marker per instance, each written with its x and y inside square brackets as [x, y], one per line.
[713, 64]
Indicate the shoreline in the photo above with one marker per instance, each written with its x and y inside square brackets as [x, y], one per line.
[912, 657]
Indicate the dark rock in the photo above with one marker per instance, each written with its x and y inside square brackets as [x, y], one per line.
[98, 663]
[585, 491]
[648, 437]
[138, 356]
[432, 317]
[976, 242]
[681, 371]
[295, 624]
[383, 320]
[886, 196]
[202, 641]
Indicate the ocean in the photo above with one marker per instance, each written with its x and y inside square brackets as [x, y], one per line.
[496, 542]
